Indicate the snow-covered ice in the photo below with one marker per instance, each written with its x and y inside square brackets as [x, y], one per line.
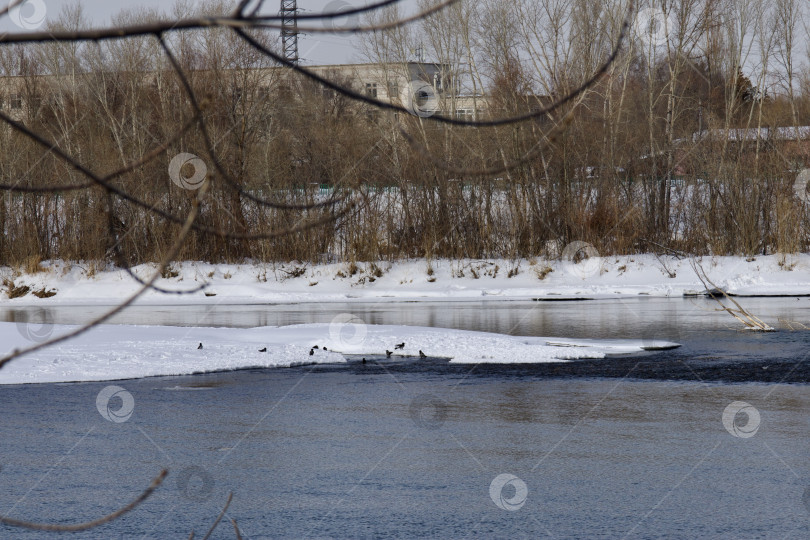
[110, 352]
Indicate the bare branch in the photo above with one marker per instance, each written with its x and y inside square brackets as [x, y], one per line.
[90, 524]
[219, 517]
[120, 307]
[351, 94]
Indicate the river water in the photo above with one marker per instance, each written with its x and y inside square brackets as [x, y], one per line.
[638, 447]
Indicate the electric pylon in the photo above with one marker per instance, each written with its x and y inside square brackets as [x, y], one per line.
[289, 29]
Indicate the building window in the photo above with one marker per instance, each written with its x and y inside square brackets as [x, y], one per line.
[371, 90]
[465, 114]
[393, 89]
[15, 101]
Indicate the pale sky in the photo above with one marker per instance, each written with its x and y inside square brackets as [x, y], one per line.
[313, 49]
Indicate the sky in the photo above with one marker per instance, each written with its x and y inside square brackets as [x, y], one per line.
[313, 49]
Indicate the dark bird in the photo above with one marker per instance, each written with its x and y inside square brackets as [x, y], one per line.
[421, 354]
[323, 348]
[388, 353]
[315, 347]
[364, 360]
[199, 346]
[399, 346]
[263, 349]
[311, 352]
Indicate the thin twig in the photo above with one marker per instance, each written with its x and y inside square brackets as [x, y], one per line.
[101, 34]
[123, 194]
[356, 96]
[236, 530]
[219, 517]
[741, 314]
[89, 524]
[545, 141]
[210, 145]
[120, 307]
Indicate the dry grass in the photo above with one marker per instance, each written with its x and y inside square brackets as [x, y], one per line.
[294, 272]
[542, 271]
[42, 293]
[15, 291]
[376, 271]
[169, 272]
[93, 268]
[32, 265]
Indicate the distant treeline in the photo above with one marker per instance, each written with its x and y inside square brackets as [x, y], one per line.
[667, 150]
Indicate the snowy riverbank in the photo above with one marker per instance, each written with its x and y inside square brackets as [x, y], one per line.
[597, 277]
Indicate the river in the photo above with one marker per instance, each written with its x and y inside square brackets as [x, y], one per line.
[637, 447]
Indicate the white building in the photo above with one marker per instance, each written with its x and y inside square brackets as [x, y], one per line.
[424, 88]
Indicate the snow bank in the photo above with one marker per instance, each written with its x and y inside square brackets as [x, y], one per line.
[596, 277]
[111, 352]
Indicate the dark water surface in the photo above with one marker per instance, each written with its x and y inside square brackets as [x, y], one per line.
[623, 447]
